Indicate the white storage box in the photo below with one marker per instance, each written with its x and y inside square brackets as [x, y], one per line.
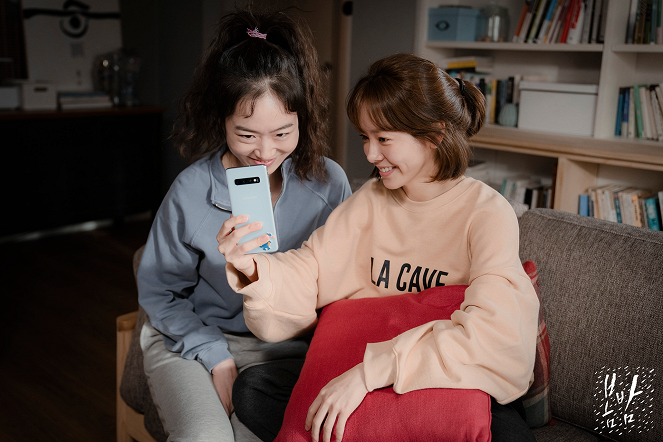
[557, 107]
[36, 96]
[10, 97]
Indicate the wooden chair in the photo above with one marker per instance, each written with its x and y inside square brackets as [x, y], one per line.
[130, 424]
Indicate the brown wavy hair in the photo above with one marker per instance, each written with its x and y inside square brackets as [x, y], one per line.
[406, 93]
[237, 67]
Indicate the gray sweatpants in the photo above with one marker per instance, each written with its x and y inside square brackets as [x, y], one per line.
[184, 394]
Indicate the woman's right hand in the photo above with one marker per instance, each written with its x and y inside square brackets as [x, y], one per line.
[228, 238]
[223, 378]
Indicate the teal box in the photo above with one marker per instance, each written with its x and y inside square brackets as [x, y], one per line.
[452, 23]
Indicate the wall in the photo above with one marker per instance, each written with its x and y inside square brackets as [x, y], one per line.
[379, 28]
[168, 37]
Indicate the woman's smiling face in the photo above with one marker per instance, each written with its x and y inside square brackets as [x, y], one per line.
[403, 160]
[267, 136]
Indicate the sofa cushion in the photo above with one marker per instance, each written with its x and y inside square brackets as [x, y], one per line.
[601, 287]
[339, 342]
[537, 399]
[134, 389]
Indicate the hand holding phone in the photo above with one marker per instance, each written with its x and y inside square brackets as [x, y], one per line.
[250, 195]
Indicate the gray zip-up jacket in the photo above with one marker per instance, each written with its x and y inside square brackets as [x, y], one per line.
[182, 279]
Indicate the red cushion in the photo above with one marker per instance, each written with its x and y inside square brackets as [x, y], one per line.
[339, 343]
[537, 398]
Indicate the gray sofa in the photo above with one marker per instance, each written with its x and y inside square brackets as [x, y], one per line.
[602, 293]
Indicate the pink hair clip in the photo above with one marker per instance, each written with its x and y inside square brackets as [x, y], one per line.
[256, 34]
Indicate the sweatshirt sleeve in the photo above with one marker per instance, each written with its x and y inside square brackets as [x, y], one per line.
[166, 276]
[282, 303]
[488, 344]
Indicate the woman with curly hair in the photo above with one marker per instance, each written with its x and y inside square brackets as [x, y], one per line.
[257, 98]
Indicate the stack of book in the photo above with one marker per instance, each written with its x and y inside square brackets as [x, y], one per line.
[527, 190]
[465, 65]
[623, 204]
[478, 170]
[640, 112]
[83, 100]
[562, 21]
[644, 22]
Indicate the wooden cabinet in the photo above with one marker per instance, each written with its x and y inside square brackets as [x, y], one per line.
[67, 167]
[581, 161]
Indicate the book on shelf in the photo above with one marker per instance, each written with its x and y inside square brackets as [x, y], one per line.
[583, 204]
[652, 211]
[566, 22]
[602, 21]
[537, 20]
[639, 37]
[625, 111]
[657, 113]
[539, 196]
[517, 78]
[491, 108]
[639, 126]
[521, 20]
[659, 23]
[560, 12]
[521, 32]
[547, 20]
[648, 17]
[620, 111]
[631, 114]
[596, 21]
[647, 111]
[574, 35]
[655, 16]
[632, 16]
[500, 97]
[589, 15]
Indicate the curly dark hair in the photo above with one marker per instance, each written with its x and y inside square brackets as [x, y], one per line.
[237, 67]
[406, 93]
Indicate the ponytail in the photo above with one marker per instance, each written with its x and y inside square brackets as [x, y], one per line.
[475, 107]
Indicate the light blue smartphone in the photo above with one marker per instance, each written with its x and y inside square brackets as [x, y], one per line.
[250, 195]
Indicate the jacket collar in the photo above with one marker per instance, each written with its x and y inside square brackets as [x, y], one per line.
[220, 196]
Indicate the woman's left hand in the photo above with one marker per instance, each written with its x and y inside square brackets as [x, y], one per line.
[335, 403]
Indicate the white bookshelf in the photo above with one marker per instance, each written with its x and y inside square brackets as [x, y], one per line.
[582, 162]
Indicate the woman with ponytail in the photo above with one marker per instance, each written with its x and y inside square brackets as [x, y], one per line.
[257, 97]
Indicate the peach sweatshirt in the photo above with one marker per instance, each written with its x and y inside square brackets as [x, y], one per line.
[381, 243]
